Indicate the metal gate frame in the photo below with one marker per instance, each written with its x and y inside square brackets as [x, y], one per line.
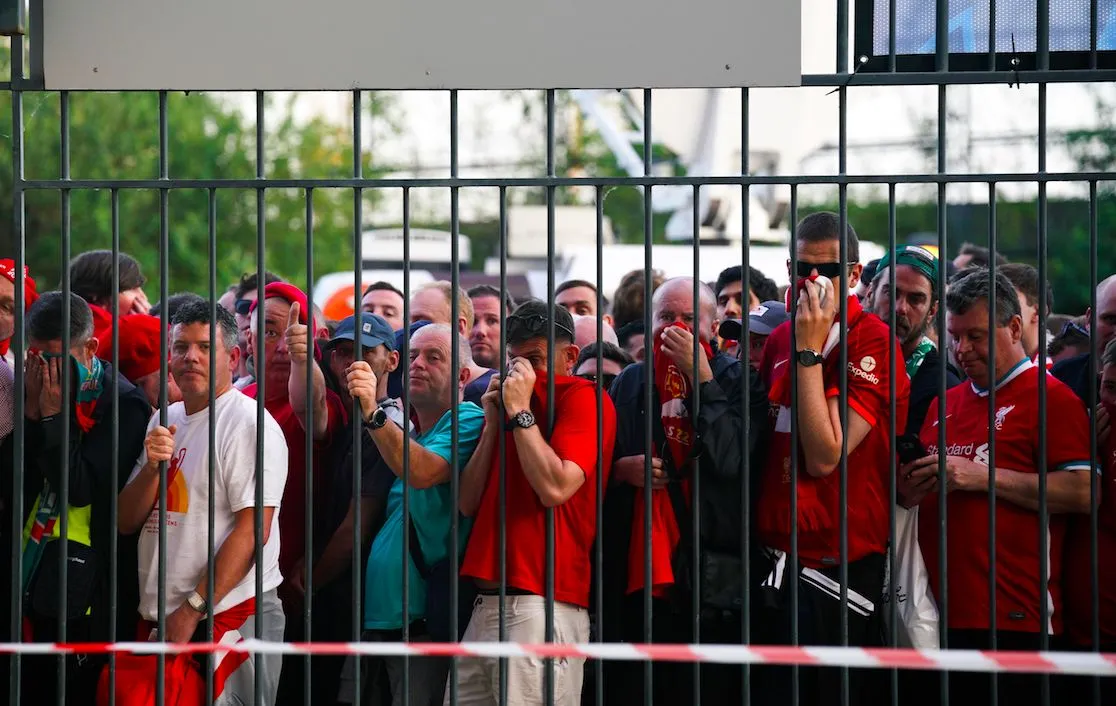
[28, 79]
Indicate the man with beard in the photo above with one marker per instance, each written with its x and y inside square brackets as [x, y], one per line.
[913, 285]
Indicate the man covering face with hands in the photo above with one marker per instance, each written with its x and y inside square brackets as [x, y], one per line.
[686, 439]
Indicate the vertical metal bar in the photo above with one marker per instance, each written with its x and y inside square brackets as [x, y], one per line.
[405, 362]
[503, 443]
[598, 550]
[551, 202]
[1042, 38]
[842, 36]
[355, 413]
[1044, 514]
[695, 471]
[211, 461]
[746, 397]
[892, 61]
[261, 367]
[943, 592]
[15, 605]
[893, 638]
[992, 318]
[991, 35]
[114, 510]
[35, 53]
[309, 458]
[792, 563]
[941, 35]
[1093, 22]
[67, 391]
[648, 382]
[1094, 452]
[164, 244]
[455, 366]
[843, 380]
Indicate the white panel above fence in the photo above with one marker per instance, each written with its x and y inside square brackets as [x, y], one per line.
[420, 44]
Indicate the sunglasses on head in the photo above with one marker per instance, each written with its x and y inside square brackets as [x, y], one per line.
[605, 378]
[1075, 327]
[533, 326]
[832, 270]
[244, 306]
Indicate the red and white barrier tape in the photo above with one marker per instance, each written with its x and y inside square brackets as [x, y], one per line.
[1087, 663]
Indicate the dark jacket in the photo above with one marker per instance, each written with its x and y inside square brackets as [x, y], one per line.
[90, 483]
[924, 388]
[1075, 372]
[722, 442]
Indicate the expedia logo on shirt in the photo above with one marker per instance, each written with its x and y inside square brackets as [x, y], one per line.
[868, 364]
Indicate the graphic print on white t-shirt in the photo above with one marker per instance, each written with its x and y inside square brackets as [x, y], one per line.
[187, 517]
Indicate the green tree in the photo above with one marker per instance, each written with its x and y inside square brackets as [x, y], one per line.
[116, 136]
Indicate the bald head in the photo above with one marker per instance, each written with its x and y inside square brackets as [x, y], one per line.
[585, 331]
[673, 302]
[1106, 313]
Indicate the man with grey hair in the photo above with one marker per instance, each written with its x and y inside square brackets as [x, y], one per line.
[184, 445]
[706, 439]
[435, 398]
[88, 446]
[1019, 621]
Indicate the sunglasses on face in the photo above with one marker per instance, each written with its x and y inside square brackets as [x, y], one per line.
[831, 270]
[533, 326]
[244, 306]
[605, 378]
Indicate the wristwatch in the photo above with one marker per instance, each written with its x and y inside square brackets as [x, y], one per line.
[378, 419]
[808, 357]
[197, 603]
[522, 420]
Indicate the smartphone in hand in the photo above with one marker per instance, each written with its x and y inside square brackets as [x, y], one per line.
[910, 448]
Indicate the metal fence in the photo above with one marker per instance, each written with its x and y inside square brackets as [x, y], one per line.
[26, 81]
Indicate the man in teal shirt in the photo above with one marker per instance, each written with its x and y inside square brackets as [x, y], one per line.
[435, 391]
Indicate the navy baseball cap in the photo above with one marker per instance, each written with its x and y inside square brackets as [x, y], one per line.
[762, 320]
[374, 331]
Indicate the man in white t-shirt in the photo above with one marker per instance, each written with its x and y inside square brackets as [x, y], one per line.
[184, 445]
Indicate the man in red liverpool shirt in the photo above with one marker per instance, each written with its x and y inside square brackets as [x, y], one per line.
[816, 354]
[287, 355]
[1019, 618]
[543, 471]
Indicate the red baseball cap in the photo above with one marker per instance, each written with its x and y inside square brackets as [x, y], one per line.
[140, 345]
[30, 293]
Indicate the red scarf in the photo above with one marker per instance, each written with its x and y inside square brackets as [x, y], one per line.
[674, 389]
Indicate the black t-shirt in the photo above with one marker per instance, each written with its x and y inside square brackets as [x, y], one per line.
[925, 387]
[476, 389]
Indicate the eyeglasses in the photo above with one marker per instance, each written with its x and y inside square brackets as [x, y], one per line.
[532, 326]
[832, 270]
[244, 306]
[605, 378]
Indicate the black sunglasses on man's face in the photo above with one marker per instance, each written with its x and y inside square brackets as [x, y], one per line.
[832, 270]
[605, 378]
[244, 306]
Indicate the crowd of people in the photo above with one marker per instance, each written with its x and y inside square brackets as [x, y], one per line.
[336, 502]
